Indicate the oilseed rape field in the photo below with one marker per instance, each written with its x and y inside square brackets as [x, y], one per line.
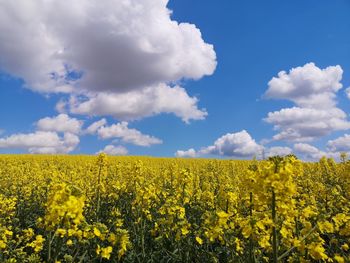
[140, 209]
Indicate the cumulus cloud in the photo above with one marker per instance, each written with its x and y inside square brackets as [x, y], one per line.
[313, 91]
[60, 123]
[94, 51]
[308, 152]
[139, 104]
[239, 144]
[341, 144]
[92, 129]
[307, 86]
[189, 153]
[47, 142]
[333, 150]
[28, 49]
[347, 92]
[61, 106]
[114, 150]
[278, 150]
[127, 135]
[306, 124]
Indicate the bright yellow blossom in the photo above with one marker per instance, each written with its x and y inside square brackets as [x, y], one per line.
[199, 240]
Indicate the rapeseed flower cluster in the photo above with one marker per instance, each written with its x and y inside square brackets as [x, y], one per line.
[133, 209]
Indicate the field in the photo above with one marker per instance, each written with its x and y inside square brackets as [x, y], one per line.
[139, 209]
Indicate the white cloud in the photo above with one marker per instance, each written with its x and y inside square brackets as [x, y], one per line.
[334, 149]
[278, 150]
[189, 153]
[60, 123]
[92, 129]
[86, 48]
[127, 135]
[27, 47]
[307, 86]
[239, 144]
[341, 144]
[313, 90]
[114, 150]
[139, 104]
[347, 92]
[306, 124]
[308, 152]
[41, 142]
[61, 106]
[121, 50]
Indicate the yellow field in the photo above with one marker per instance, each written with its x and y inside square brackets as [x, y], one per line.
[139, 209]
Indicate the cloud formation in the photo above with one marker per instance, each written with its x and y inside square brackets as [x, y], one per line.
[60, 123]
[46, 142]
[116, 50]
[237, 145]
[340, 144]
[189, 153]
[125, 134]
[333, 149]
[60, 134]
[92, 129]
[139, 104]
[307, 86]
[114, 150]
[313, 91]
[347, 92]
[308, 152]
[278, 150]
[306, 124]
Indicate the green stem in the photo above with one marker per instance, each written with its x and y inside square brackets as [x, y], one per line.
[301, 240]
[82, 257]
[49, 247]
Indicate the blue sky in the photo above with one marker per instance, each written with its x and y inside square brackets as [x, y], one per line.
[164, 89]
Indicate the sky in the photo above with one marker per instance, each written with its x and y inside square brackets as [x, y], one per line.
[219, 79]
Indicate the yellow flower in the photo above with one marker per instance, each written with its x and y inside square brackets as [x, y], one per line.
[260, 225]
[112, 238]
[247, 230]
[28, 233]
[345, 247]
[2, 244]
[38, 243]
[184, 230]
[264, 242]
[124, 243]
[106, 252]
[69, 242]
[199, 240]
[222, 214]
[325, 227]
[97, 232]
[317, 251]
[239, 247]
[284, 232]
[61, 232]
[339, 259]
